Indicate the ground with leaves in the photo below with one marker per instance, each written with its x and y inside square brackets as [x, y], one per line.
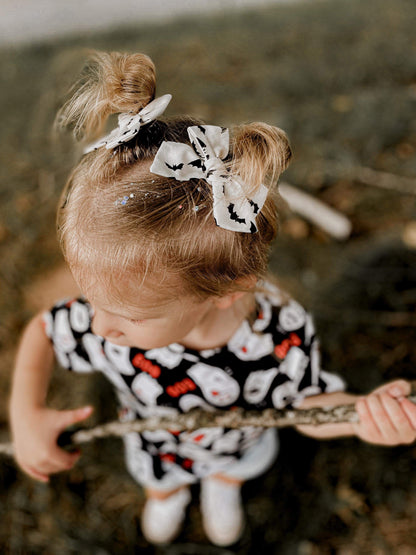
[340, 78]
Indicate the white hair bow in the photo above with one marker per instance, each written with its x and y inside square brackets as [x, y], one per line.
[233, 208]
[129, 125]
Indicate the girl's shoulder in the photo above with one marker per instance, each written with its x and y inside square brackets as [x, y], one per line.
[277, 324]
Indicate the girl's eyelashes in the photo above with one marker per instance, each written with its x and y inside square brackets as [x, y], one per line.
[137, 322]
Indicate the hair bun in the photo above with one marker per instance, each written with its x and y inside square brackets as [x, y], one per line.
[110, 83]
[261, 152]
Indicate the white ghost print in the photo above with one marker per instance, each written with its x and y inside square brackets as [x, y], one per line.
[203, 437]
[217, 386]
[79, 364]
[284, 394]
[258, 384]
[138, 462]
[248, 345]
[189, 401]
[292, 316]
[120, 357]
[170, 356]
[295, 364]
[93, 346]
[265, 313]
[63, 335]
[208, 353]
[273, 293]
[79, 316]
[161, 436]
[146, 389]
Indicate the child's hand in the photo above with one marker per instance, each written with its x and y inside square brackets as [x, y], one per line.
[35, 434]
[386, 416]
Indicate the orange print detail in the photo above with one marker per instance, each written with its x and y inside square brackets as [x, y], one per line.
[179, 388]
[170, 457]
[293, 341]
[140, 361]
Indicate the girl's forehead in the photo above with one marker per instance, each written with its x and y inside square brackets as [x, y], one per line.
[128, 291]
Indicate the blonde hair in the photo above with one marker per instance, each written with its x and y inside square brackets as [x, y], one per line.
[165, 226]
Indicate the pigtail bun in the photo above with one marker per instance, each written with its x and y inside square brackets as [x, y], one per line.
[110, 83]
[261, 153]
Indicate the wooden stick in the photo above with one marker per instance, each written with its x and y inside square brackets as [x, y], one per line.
[196, 418]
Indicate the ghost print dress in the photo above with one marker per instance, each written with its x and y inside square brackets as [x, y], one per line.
[272, 361]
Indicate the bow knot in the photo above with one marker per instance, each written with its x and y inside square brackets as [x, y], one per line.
[129, 124]
[233, 208]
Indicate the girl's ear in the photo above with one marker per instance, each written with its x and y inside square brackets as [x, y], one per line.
[226, 301]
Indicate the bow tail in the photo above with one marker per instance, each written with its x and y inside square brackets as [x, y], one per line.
[233, 210]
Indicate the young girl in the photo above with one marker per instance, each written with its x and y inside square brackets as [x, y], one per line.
[166, 225]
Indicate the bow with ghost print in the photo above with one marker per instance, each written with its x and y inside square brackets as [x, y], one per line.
[234, 209]
[129, 124]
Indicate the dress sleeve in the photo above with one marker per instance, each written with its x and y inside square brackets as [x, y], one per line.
[296, 348]
[66, 325]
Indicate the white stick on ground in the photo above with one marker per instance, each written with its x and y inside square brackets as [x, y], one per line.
[330, 220]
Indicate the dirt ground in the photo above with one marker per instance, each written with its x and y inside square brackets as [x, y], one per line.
[340, 78]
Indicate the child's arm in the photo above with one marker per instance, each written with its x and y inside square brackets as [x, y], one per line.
[386, 416]
[35, 428]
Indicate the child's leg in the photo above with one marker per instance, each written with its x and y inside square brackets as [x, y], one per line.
[166, 498]
[228, 479]
[221, 508]
[221, 503]
[161, 494]
[164, 513]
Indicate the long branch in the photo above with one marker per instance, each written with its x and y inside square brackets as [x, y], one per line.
[196, 418]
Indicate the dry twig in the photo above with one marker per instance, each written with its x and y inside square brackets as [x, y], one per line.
[196, 419]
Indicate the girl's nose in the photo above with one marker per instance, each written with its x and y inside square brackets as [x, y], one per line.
[104, 324]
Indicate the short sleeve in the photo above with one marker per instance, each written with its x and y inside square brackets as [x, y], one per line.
[296, 347]
[66, 325]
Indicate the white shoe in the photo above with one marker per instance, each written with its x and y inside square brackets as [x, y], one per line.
[222, 511]
[162, 519]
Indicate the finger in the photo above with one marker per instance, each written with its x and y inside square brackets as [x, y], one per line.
[410, 410]
[398, 418]
[399, 388]
[387, 431]
[367, 426]
[62, 460]
[33, 473]
[57, 463]
[69, 417]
